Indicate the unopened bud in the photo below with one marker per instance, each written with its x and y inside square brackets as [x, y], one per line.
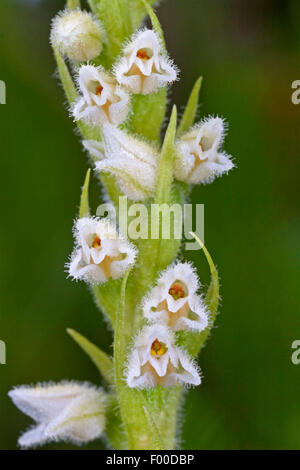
[77, 34]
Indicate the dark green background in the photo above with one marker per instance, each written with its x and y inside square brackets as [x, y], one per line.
[248, 53]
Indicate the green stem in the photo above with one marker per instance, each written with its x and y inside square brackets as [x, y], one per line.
[73, 4]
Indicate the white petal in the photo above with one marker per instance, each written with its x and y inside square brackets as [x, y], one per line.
[190, 374]
[34, 437]
[90, 273]
[208, 171]
[212, 131]
[94, 147]
[118, 141]
[133, 376]
[136, 180]
[84, 231]
[81, 421]
[160, 364]
[118, 268]
[79, 109]
[119, 110]
[44, 400]
[197, 308]
[150, 307]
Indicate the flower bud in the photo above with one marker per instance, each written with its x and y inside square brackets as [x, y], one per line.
[67, 411]
[77, 34]
[132, 161]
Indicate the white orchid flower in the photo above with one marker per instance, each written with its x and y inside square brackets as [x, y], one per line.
[144, 66]
[156, 360]
[102, 100]
[100, 253]
[174, 301]
[198, 155]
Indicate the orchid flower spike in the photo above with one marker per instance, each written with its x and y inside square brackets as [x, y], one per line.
[133, 162]
[174, 301]
[77, 34]
[198, 158]
[156, 360]
[102, 100]
[68, 411]
[144, 66]
[100, 253]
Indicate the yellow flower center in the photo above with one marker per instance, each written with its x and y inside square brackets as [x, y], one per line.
[143, 54]
[177, 291]
[99, 90]
[96, 242]
[158, 348]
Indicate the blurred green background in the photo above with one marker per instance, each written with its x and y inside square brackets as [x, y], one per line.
[248, 53]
